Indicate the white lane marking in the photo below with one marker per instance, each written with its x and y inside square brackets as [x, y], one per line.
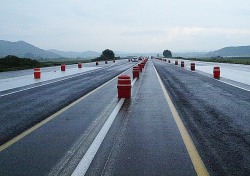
[58, 80]
[133, 82]
[25, 133]
[235, 86]
[50, 82]
[84, 164]
[192, 151]
[88, 157]
[219, 80]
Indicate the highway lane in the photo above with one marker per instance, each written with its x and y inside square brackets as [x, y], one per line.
[57, 146]
[24, 79]
[12, 74]
[144, 138]
[234, 74]
[216, 115]
[21, 110]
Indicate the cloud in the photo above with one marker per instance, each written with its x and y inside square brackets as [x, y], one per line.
[139, 33]
[130, 25]
[199, 38]
[192, 32]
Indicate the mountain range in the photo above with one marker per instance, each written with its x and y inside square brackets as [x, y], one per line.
[26, 50]
[72, 54]
[234, 51]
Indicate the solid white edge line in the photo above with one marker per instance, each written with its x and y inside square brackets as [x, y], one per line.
[30, 130]
[84, 164]
[88, 157]
[133, 82]
[234, 86]
[48, 82]
[56, 80]
[218, 80]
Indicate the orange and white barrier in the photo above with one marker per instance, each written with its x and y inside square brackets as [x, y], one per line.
[37, 73]
[216, 72]
[124, 86]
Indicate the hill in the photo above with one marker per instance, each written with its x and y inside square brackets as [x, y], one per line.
[24, 50]
[238, 51]
[71, 54]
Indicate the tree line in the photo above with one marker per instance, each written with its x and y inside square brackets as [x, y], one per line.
[15, 63]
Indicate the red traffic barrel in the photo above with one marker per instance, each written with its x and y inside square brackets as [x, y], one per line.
[124, 86]
[106, 62]
[63, 67]
[182, 63]
[141, 67]
[37, 73]
[216, 72]
[176, 62]
[96, 63]
[143, 64]
[136, 72]
[79, 65]
[192, 66]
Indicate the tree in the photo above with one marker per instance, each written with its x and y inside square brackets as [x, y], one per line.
[108, 54]
[167, 53]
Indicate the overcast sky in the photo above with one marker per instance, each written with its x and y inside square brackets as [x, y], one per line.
[127, 25]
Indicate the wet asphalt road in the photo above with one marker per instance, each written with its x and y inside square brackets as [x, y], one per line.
[144, 138]
[216, 115]
[57, 147]
[32, 106]
[11, 74]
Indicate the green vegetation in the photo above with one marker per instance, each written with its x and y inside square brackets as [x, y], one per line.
[231, 60]
[12, 63]
[107, 54]
[167, 53]
[56, 62]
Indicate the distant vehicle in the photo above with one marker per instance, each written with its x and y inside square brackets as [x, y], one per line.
[135, 59]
